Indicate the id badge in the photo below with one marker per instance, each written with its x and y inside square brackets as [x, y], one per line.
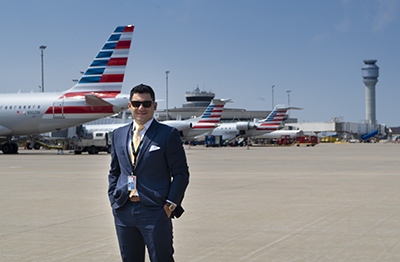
[132, 183]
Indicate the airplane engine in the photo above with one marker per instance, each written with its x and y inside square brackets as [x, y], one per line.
[186, 126]
[241, 126]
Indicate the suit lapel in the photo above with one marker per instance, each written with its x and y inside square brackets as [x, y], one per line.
[153, 129]
[128, 134]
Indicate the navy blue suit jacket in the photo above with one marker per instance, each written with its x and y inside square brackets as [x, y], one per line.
[161, 168]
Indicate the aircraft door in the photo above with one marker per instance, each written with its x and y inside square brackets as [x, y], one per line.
[58, 109]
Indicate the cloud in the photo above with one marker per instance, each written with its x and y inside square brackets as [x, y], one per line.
[386, 15]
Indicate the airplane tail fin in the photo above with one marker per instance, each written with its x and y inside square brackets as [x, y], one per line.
[214, 111]
[275, 118]
[277, 115]
[104, 76]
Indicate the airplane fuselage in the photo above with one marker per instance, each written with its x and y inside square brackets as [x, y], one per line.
[229, 131]
[198, 130]
[36, 113]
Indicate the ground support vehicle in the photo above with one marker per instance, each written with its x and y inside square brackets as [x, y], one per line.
[306, 140]
[101, 142]
[213, 141]
[285, 140]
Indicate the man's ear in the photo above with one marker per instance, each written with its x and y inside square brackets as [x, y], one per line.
[155, 106]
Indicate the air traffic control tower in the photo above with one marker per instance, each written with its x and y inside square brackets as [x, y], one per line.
[370, 73]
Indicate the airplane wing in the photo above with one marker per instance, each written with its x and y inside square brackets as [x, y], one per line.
[201, 135]
[284, 107]
[4, 131]
[95, 101]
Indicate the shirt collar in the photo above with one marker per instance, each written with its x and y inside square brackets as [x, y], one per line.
[146, 125]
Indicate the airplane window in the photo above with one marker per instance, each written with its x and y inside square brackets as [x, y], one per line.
[10, 107]
[19, 107]
[29, 107]
[24, 107]
[1, 107]
[15, 107]
[5, 107]
[38, 106]
[33, 107]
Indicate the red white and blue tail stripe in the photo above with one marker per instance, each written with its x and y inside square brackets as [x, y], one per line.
[209, 119]
[105, 75]
[213, 112]
[274, 120]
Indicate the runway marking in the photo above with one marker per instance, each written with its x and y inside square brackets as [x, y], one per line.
[378, 223]
[284, 237]
[347, 245]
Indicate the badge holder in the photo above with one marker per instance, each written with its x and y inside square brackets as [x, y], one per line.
[132, 184]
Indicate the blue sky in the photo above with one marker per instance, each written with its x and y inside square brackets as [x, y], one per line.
[238, 49]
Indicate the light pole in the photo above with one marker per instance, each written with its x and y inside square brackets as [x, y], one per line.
[273, 97]
[288, 100]
[42, 48]
[288, 97]
[166, 97]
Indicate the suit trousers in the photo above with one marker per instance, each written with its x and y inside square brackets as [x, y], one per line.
[138, 226]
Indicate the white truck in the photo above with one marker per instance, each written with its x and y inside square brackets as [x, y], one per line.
[100, 142]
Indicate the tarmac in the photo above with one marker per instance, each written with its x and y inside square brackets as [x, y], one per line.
[331, 202]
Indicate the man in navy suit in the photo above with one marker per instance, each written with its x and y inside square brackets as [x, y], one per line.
[147, 184]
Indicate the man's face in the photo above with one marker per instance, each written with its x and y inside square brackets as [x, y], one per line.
[142, 114]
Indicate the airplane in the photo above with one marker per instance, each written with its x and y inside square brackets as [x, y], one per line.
[279, 133]
[189, 129]
[195, 128]
[96, 95]
[231, 131]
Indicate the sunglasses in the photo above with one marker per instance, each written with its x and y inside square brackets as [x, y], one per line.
[144, 103]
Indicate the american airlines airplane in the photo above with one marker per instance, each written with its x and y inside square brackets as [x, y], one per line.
[279, 133]
[230, 131]
[96, 95]
[194, 128]
[189, 129]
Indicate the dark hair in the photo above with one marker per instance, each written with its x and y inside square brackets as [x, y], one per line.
[143, 89]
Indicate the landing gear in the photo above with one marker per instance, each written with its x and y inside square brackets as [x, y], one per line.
[10, 148]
